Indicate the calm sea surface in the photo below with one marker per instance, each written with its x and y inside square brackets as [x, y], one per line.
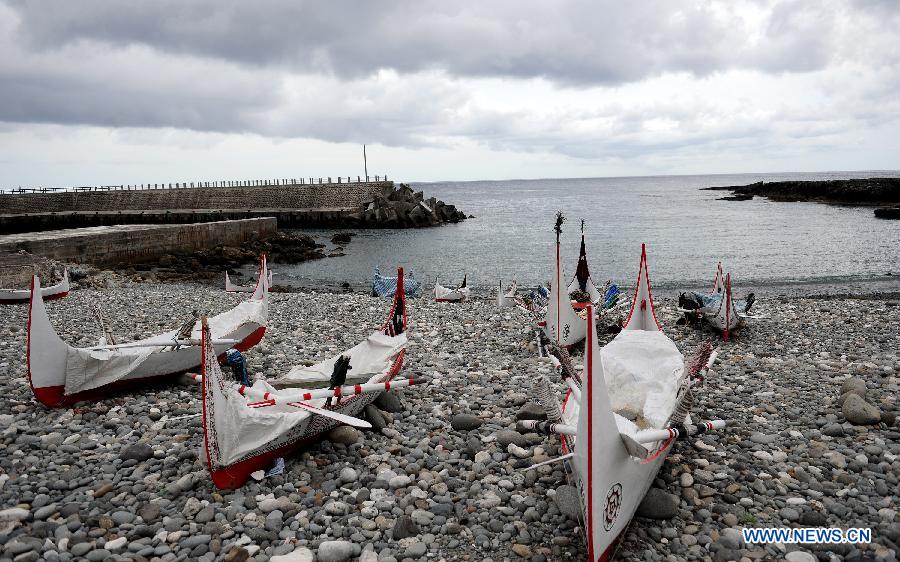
[686, 231]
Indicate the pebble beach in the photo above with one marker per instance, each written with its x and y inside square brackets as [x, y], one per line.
[810, 392]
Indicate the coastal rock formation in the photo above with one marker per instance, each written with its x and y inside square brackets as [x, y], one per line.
[871, 191]
[405, 208]
[888, 213]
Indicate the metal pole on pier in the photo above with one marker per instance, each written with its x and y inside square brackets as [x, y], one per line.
[365, 163]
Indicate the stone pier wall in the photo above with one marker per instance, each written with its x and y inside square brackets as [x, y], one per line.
[138, 242]
[345, 196]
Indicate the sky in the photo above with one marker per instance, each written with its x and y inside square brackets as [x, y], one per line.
[101, 92]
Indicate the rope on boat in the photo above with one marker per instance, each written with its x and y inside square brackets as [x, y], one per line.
[678, 431]
[545, 397]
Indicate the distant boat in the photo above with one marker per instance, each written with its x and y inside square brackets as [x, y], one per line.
[21, 296]
[459, 294]
[384, 286]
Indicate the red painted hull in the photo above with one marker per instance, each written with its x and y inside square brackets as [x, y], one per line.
[55, 397]
[27, 300]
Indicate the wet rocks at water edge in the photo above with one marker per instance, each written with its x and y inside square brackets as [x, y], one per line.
[439, 476]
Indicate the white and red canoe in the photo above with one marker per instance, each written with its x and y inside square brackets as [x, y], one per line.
[561, 324]
[235, 288]
[246, 428]
[640, 375]
[61, 375]
[21, 296]
[582, 280]
[445, 294]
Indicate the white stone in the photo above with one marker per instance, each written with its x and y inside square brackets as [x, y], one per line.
[258, 475]
[116, 544]
[799, 556]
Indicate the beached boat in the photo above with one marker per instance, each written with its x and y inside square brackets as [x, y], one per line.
[21, 296]
[235, 288]
[582, 280]
[507, 299]
[622, 414]
[246, 428]
[719, 308]
[61, 375]
[459, 294]
[383, 286]
[561, 323]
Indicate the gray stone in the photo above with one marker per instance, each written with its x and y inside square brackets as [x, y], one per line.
[344, 434]
[137, 451]
[404, 527]
[465, 422]
[389, 402]
[859, 412]
[335, 551]
[568, 500]
[507, 436]
[375, 417]
[658, 504]
[854, 385]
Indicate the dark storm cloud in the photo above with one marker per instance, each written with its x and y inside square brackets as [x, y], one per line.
[405, 73]
[571, 42]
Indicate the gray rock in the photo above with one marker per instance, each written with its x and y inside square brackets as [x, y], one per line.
[531, 411]
[833, 430]
[416, 550]
[568, 500]
[344, 434]
[404, 527]
[658, 504]
[800, 556]
[854, 385]
[859, 412]
[137, 451]
[507, 436]
[348, 475]
[375, 417]
[389, 402]
[465, 422]
[335, 551]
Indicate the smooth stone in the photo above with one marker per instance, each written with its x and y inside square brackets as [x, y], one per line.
[800, 556]
[344, 434]
[658, 504]
[859, 412]
[301, 554]
[389, 402]
[137, 452]
[404, 527]
[465, 422]
[335, 551]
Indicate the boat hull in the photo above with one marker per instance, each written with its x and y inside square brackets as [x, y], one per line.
[22, 296]
[55, 396]
[236, 475]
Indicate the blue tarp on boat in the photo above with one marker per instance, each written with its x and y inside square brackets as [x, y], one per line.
[386, 286]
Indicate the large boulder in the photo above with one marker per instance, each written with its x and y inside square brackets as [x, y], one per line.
[855, 385]
[859, 412]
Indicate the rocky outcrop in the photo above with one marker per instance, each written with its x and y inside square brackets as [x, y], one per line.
[871, 191]
[888, 213]
[404, 208]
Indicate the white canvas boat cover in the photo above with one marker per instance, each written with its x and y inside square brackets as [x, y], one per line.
[371, 356]
[643, 370]
[86, 368]
[234, 430]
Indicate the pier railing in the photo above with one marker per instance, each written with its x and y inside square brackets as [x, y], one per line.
[189, 185]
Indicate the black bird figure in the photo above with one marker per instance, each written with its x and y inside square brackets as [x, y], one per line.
[339, 376]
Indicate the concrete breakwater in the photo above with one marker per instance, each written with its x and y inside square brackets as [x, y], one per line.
[136, 243]
[295, 205]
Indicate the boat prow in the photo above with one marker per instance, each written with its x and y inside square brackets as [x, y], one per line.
[61, 375]
[507, 299]
[561, 324]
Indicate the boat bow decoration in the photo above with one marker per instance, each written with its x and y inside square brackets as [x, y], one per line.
[582, 280]
[61, 375]
[247, 428]
[561, 324]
